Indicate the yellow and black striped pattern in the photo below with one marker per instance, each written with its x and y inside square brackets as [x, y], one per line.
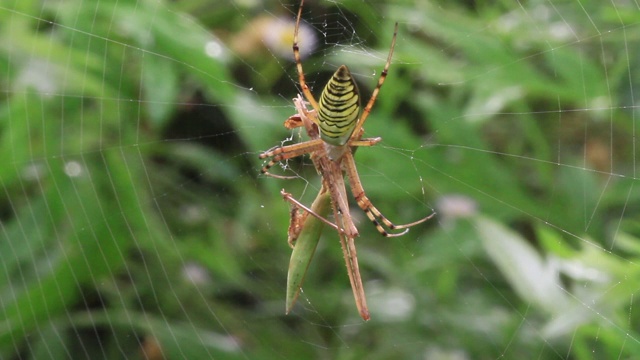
[339, 108]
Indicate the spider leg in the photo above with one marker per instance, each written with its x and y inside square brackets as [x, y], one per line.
[365, 204]
[374, 95]
[280, 153]
[296, 55]
[365, 142]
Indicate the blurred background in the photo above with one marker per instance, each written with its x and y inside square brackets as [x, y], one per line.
[134, 222]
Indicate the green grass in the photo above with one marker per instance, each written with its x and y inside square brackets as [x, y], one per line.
[133, 218]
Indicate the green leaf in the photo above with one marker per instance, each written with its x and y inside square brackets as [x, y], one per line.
[305, 247]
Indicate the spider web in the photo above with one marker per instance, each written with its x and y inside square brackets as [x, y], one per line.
[134, 223]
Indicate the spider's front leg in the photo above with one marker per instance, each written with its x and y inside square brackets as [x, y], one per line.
[306, 118]
[281, 153]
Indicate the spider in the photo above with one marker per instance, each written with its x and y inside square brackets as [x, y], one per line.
[334, 126]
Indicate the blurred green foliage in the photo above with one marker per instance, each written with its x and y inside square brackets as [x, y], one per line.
[134, 223]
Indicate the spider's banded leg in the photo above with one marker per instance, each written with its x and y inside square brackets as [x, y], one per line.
[374, 94]
[296, 55]
[280, 153]
[365, 204]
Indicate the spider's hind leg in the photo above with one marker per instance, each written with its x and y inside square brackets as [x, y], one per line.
[365, 204]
